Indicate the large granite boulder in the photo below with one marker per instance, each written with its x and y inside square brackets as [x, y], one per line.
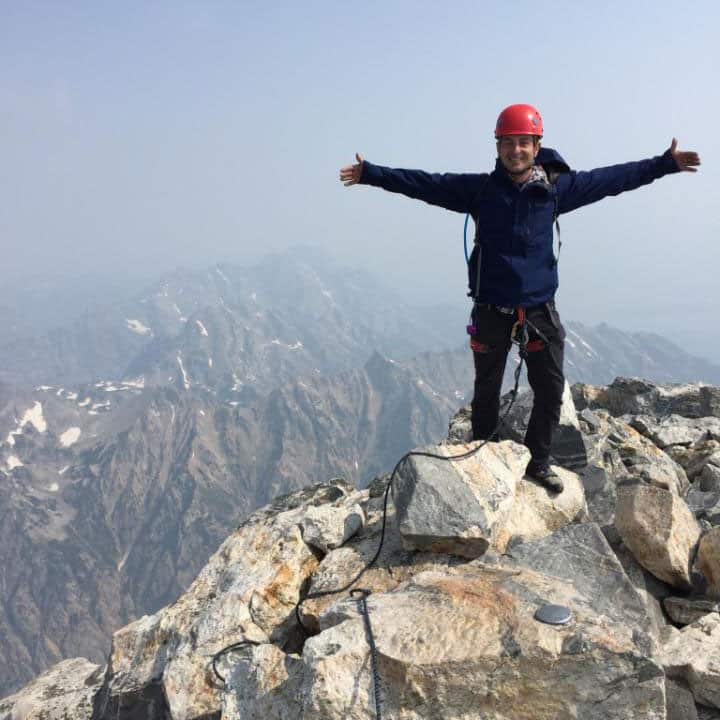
[660, 531]
[159, 665]
[464, 506]
[459, 643]
[579, 554]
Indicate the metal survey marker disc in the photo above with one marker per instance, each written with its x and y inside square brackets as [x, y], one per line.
[553, 614]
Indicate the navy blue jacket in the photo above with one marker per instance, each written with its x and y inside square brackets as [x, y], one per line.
[515, 223]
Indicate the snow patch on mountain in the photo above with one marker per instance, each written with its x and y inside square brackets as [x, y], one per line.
[13, 462]
[33, 416]
[186, 382]
[70, 436]
[201, 327]
[137, 327]
[589, 350]
[222, 275]
[138, 383]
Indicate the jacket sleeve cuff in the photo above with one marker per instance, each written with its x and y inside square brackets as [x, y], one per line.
[668, 164]
[371, 174]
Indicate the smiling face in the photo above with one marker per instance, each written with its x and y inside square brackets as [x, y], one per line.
[517, 153]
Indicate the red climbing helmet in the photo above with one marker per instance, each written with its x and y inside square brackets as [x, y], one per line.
[519, 120]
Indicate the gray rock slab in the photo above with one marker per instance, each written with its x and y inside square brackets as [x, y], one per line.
[636, 397]
[693, 656]
[675, 429]
[64, 692]
[680, 703]
[685, 611]
[704, 505]
[581, 555]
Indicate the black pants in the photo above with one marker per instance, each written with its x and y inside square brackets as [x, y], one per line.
[544, 368]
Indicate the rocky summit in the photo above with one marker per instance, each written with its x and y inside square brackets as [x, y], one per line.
[452, 588]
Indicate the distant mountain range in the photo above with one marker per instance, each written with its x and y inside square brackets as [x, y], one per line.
[135, 437]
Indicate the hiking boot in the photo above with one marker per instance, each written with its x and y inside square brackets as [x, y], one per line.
[545, 475]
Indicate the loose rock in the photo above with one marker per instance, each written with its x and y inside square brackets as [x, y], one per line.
[660, 531]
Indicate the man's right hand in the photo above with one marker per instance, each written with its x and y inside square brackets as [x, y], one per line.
[351, 174]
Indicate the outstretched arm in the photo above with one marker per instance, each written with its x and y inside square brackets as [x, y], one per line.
[453, 191]
[576, 189]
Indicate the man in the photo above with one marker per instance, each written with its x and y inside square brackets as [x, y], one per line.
[513, 269]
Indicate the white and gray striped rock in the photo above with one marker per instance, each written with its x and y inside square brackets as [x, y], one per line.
[659, 530]
[685, 611]
[464, 506]
[65, 692]
[693, 655]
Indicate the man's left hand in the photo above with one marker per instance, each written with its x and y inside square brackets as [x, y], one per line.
[686, 161]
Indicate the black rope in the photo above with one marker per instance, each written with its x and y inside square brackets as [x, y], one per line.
[230, 648]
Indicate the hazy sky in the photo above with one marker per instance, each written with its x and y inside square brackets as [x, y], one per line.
[143, 136]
